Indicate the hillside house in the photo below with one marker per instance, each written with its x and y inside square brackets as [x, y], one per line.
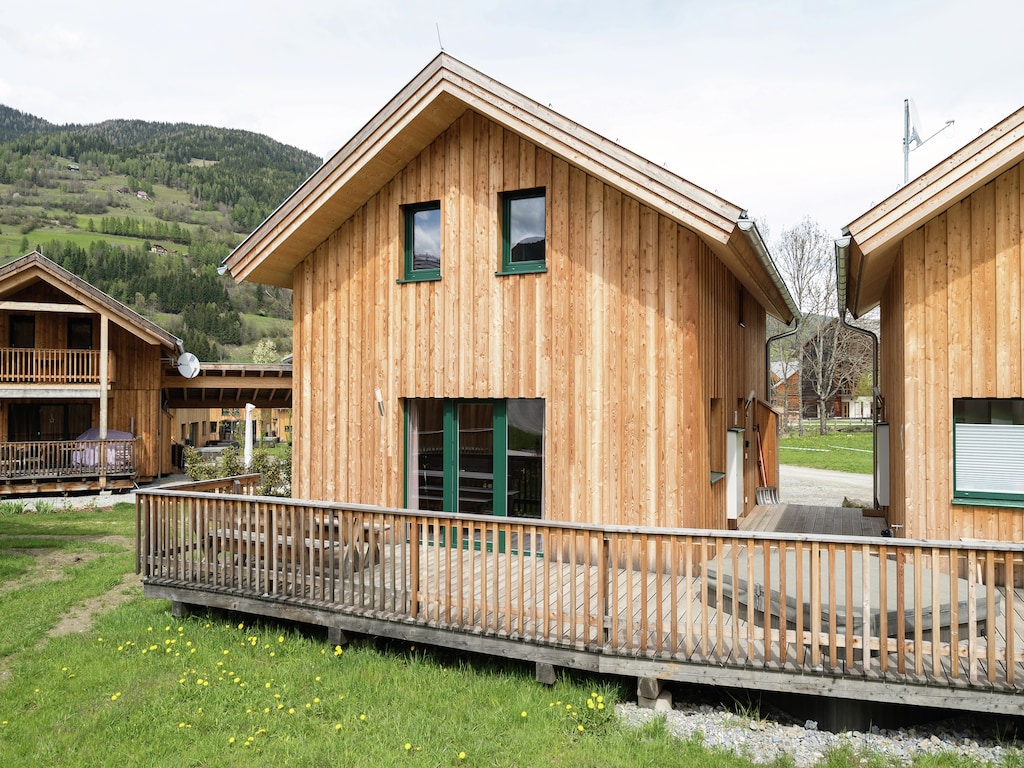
[500, 311]
[78, 367]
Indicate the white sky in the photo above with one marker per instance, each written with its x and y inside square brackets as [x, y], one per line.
[789, 109]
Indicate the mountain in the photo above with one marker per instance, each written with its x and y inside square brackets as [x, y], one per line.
[146, 211]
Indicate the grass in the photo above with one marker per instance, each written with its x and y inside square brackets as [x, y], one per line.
[137, 687]
[842, 451]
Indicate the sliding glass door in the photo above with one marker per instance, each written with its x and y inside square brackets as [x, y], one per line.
[482, 457]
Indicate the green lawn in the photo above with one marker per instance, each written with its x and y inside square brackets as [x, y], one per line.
[843, 451]
[132, 686]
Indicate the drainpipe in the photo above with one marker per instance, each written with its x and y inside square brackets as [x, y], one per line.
[842, 250]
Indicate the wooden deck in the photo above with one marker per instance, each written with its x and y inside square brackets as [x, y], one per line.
[869, 621]
[806, 518]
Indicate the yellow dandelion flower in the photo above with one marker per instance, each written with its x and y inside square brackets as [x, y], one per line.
[523, 713]
[316, 699]
[272, 653]
[600, 706]
[317, 678]
[590, 703]
[231, 740]
[580, 727]
[600, 699]
[181, 725]
[337, 726]
[241, 625]
[408, 746]
[462, 755]
[266, 710]
[280, 706]
[266, 685]
[291, 710]
[362, 717]
[280, 638]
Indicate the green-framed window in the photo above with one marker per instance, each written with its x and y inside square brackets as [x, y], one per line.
[422, 241]
[988, 451]
[475, 456]
[523, 231]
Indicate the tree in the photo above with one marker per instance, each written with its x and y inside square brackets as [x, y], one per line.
[829, 357]
[265, 352]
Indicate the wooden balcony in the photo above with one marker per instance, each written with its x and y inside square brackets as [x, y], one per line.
[50, 366]
[875, 619]
[55, 465]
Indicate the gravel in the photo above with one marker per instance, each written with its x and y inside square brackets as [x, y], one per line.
[763, 739]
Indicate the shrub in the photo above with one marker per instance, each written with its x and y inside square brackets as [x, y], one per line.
[11, 508]
[275, 473]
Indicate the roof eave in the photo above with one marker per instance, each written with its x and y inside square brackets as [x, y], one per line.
[420, 112]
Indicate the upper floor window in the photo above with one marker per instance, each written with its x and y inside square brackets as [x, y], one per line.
[523, 232]
[22, 331]
[988, 451]
[422, 241]
[79, 333]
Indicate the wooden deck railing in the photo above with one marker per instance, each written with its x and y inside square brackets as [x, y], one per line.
[923, 611]
[50, 366]
[57, 459]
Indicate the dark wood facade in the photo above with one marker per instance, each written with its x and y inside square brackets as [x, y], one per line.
[75, 359]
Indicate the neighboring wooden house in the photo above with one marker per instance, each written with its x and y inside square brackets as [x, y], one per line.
[76, 360]
[497, 310]
[942, 258]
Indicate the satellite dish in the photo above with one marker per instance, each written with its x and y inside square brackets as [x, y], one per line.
[188, 365]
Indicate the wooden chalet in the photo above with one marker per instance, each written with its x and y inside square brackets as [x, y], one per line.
[79, 368]
[529, 406]
[942, 259]
[555, 326]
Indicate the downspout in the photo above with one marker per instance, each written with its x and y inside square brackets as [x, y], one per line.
[748, 228]
[842, 251]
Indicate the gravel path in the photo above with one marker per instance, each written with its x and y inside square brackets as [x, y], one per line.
[762, 740]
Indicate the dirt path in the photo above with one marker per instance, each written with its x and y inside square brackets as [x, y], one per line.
[52, 565]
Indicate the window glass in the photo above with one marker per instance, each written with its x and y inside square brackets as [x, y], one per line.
[79, 333]
[423, 241]
[476, 456]
[988, 450]
[524, 239]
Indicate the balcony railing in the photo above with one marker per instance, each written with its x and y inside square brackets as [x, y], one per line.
[58, 459]
[50, 366]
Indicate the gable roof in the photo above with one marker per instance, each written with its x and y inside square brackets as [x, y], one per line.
[428, 105]
[34, 267]
[875, 237]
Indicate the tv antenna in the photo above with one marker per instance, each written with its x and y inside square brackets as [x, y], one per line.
[911, 122]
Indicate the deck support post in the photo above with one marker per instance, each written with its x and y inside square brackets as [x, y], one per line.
[649, 694]
[545, 673]
[180, 610]
[335, 636]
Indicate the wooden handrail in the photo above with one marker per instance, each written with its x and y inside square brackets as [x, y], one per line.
[49, 366]
[862, 606]
[57, 459]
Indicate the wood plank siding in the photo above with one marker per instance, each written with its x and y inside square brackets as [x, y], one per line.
[628, 336]
[951, 328]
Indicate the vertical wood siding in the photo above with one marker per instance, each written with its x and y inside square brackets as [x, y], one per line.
[627, 336]
[951, 328]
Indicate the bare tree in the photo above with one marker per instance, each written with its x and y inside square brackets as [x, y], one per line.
[829, 357]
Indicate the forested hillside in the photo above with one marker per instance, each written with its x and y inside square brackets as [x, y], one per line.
[146, 212]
